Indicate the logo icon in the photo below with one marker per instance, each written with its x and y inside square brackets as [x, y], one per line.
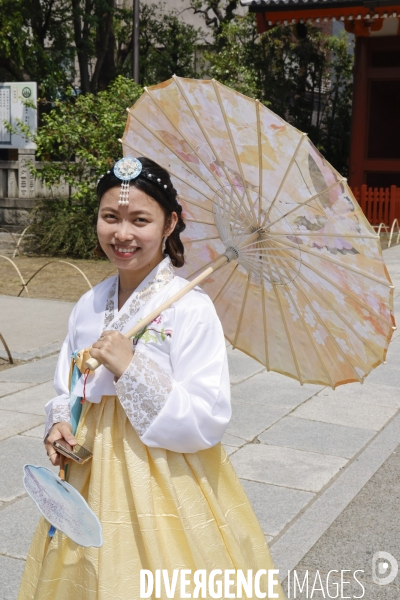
[26, 92]
[384, 568]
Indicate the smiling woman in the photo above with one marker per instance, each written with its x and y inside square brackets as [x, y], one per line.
[157, 193]
[131, 236]
[159, 481]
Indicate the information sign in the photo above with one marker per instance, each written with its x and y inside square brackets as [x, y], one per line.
[12, 109]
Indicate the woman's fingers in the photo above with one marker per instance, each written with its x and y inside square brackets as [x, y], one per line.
[114, 351]
[97, 352]
[54, 458]
[66, 431]
[62, 430]
[98, 345]
[112, 333]
[99, 349]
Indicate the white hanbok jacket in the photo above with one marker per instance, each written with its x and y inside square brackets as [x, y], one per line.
[176, 390]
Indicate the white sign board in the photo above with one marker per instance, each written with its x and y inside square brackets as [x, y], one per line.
[12, 109]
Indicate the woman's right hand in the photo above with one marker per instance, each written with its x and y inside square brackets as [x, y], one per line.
[61, 430]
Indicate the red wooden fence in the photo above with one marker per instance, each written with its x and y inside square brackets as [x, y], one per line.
[379, 205]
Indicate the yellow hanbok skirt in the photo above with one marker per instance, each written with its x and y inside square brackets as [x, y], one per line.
[158, 509]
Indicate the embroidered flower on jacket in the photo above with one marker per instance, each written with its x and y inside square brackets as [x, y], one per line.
[147, 336]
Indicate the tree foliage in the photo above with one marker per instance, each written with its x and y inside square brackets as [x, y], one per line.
[35, 44]
[216, 15]
[306, 81]
[167, 44]
[77, 142]
[86, 44]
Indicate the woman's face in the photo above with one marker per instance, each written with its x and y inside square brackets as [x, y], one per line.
[131, 236]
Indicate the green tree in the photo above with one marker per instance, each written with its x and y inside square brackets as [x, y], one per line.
[103, 42]
[167, 44]
[35, 44]
[77, 142]
[216, 14]
[94, 41]
[306, 81]
[336, 120]
[85, 44]
[234, 60]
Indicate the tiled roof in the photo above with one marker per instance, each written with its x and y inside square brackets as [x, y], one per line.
[256, 5]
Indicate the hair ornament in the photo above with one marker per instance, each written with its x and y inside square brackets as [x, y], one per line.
[126, 169]
[129, 168]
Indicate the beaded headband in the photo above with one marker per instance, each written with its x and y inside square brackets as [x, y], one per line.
[126, 169]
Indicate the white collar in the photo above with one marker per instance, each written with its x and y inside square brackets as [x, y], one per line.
[162, 274]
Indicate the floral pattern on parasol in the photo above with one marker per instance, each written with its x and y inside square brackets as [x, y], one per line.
[308, 294]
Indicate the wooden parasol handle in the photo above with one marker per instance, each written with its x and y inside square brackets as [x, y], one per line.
[219, 262]
[61, 474]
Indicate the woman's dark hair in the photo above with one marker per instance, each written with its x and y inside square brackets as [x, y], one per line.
[165, 196]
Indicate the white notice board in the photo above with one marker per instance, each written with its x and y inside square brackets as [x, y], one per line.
[12, 109]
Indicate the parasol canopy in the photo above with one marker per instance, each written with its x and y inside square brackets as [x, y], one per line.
[307, 293]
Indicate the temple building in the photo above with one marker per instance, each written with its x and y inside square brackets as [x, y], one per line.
[374, 166]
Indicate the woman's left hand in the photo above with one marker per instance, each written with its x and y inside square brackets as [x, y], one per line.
[114, 351]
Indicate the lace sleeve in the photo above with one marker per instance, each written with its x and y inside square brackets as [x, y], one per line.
[143, 389]
[57, 413]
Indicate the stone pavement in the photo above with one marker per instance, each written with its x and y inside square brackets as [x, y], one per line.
[33, 328]
[368, 525]
[303, 453]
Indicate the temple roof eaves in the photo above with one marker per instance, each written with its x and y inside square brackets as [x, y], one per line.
[281, 5]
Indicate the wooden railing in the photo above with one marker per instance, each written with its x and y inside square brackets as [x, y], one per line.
[380, 205]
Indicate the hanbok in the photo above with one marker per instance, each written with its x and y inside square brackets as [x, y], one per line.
[160, 481]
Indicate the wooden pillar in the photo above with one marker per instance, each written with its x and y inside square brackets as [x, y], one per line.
[359, 125]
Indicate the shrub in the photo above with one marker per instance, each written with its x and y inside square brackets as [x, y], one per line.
[77, 142]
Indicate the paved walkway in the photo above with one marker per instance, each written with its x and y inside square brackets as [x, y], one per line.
[368, 525]
[302, 453]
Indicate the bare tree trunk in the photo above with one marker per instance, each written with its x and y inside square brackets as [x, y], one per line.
[81, 35]
[108, 69]
[105, 41]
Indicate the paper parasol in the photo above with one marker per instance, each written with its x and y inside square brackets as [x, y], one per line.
[307, 294]
[63, 506]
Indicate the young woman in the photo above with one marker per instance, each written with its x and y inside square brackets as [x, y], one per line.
[155, 411]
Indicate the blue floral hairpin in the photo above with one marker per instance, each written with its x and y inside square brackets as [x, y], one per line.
[126, 169]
